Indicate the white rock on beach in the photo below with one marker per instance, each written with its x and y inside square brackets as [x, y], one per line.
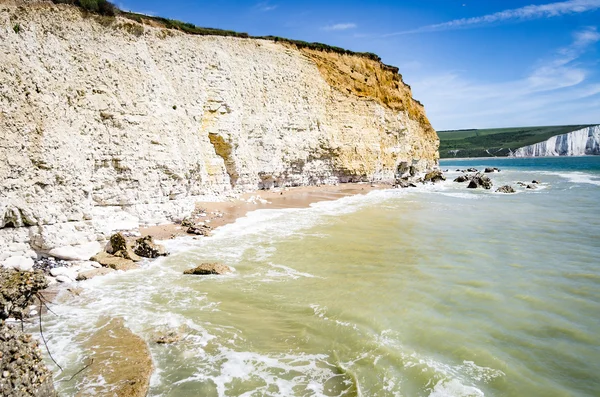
[64, 279]
[21, 263]
[76, 252]
[70, 272]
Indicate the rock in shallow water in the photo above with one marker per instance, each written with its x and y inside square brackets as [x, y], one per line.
[505, 189]
[147, 248]
[434, 177]
[119, 246]
[167, 338]
[89, 274]
[114, 262]
[480, 180]
[209, 268]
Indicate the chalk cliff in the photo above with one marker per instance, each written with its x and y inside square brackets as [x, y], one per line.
[585, 141]
[106, 123]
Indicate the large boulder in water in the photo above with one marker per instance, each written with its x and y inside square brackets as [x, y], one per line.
[434, 176]
[480, 180]
[119, 246]
[505, 189]
[209, 268]
[147, 248]
[462, 178]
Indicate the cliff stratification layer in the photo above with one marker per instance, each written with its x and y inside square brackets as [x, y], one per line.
[105, 123]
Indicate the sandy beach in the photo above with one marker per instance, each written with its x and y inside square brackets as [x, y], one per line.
[216, 214]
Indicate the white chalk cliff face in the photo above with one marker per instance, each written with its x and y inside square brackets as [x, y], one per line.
[108, 124]
[585, 141]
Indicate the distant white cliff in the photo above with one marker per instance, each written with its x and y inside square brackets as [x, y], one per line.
[582, 142]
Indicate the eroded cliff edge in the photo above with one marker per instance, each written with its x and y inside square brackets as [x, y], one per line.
[105, 123]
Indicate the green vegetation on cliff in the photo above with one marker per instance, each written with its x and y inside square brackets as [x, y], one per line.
[107, 9]
[496, 142]
[102, 7]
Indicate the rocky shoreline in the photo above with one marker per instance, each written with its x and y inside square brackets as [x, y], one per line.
[125, 250]
[128, 372]
[22, 368]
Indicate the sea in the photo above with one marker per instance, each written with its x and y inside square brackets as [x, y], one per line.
[432, 291]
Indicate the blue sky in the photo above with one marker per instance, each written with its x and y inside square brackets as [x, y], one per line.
[472, 63]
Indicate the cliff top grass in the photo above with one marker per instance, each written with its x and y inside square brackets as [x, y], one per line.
[107, 9]
[496, 141]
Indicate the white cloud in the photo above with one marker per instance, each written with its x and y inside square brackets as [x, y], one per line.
[265, 6]
[524, 13]
[340, 26]
[557, 91]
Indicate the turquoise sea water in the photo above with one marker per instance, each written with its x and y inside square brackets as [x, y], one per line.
[434, 291]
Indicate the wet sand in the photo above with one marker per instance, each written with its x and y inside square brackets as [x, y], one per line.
[221, 213]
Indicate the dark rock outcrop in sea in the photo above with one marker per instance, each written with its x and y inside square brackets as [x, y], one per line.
[403, 183]
[147, 248]
[167, 338]
[489, 170]
[505, 189]
[434, 177]
[119, 246]
[480, 180]
[121, 254]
